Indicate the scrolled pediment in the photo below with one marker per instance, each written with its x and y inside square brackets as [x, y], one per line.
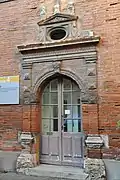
[57, 18]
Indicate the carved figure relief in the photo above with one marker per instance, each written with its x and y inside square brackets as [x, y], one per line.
[56, 8]
[71, 7]
[43, 12]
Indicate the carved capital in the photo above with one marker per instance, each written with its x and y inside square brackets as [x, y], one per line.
[94, 142]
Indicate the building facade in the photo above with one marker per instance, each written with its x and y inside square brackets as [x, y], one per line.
[66, 56]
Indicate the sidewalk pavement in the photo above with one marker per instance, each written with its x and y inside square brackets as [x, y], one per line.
[112, 168]
[14, 176]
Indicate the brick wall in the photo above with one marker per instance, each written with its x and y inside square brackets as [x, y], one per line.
[18, 25]
[10, 125]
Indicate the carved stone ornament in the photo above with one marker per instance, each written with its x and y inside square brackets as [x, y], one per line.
[26, 100]
[26, 76]
[91, 72]
[94, 142]
[92, 86]
[25, 138]
[43, 12]
[26, 89]
[56, 66]
[56, 8]
[71, 7]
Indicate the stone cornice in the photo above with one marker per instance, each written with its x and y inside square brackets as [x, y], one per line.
[63, 43]
[3, 1]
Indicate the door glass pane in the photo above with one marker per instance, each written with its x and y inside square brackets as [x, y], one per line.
[75, 86]
[72, 125]
[67, 125]
[55, 124]
[76, 125]
[67, 97]
[54, 98]
[45, 125]
[67, 111]
[47, 88]
[45, 98]
[54, 85]
[49, 125]
[54, 111]
[67, 84]
[46, 111]
[76, 97]
[76, 111]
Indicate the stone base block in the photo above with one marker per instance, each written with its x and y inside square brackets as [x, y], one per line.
[95, 168]
[25, 161]
[94, 153]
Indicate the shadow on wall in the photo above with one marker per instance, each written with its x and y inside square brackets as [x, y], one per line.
[8, 161]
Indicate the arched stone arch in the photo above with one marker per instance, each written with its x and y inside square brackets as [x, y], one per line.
[42, 78]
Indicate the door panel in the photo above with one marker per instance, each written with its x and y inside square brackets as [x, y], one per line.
[61, 138]
[50, 149]
[45, 145]
[72, 149]
[67, 146]
[54, 145]
[77, 144]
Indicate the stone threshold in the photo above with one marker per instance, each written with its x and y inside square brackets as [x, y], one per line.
[53, 171]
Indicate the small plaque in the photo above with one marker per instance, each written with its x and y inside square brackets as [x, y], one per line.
[67, 111]
[49, 133]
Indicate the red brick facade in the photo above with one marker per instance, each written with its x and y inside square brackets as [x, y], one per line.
[18, 25]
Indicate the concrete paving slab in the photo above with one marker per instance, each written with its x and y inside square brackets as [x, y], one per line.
[113, 169]
[8, 160]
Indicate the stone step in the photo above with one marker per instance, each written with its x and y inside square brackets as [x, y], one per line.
[57, 172]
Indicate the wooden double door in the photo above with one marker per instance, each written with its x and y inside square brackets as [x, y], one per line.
[61, 136]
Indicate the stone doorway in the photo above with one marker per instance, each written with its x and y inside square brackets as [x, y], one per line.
[61, 136]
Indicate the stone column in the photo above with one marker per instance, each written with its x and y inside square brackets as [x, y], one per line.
[27, 158]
